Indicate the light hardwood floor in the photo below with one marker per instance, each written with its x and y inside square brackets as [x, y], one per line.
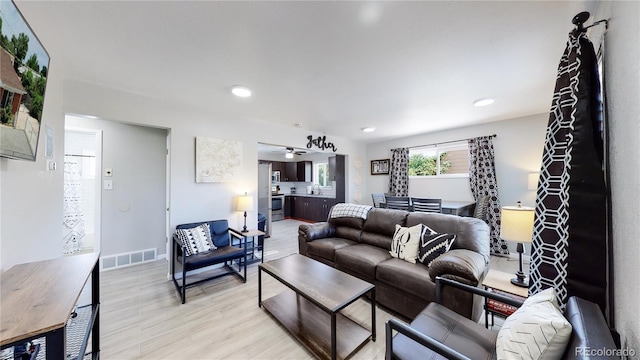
[142, 318]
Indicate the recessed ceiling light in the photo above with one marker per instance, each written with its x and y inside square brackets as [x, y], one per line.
[241, 91]
[298, 125]
[483, 102]
[368, 129]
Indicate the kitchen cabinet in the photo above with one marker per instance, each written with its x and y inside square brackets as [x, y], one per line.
[289, 206]
[311, 208]
[337, 169]
[305, 171]
[277, 166]
[290, 172]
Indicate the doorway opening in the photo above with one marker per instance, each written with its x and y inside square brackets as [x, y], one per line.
[82, 164]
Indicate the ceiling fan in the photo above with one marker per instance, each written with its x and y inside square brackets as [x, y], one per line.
[291, 151]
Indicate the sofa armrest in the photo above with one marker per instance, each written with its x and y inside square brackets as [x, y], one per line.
[315, 231]
[418, 337]
[441, 281]
[310, 232]
[462, 263]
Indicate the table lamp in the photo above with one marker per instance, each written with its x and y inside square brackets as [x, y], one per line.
[245, 203]
[516, 225]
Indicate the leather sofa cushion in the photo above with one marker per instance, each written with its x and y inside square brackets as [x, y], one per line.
[383, 221]
[448, 328]
[361, 260]
[380, 225]
[352, 222]
[325, 248]
[407, 277]
[471, 233]
[348, 233]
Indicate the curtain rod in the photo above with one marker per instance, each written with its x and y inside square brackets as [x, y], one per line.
[448, 142]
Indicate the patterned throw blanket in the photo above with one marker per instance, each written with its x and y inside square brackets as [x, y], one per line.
[350, 210]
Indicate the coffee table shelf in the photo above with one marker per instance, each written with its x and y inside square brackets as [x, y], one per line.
[310, 308]
[312, 326]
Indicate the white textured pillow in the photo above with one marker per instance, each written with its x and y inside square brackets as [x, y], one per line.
[537, 330]
[406, 241]
[196, 240]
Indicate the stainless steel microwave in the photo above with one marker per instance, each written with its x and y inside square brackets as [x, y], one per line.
[275, 176]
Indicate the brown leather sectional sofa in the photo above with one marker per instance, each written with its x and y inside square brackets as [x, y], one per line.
[361, 248]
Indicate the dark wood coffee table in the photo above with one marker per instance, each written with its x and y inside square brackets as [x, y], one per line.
[311, 312]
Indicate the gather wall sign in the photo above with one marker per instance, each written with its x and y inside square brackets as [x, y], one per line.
[321, 143]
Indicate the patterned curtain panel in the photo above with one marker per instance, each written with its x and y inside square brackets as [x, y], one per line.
[399, 172]
[73, 230]
[569, 249]
[482, 178]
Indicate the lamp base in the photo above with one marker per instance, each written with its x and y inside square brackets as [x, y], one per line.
[520, 280]
[244, 228]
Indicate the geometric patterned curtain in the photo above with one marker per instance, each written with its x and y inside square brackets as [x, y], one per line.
[399, 172]
[483, 182]
[569, 250]
[73, 216]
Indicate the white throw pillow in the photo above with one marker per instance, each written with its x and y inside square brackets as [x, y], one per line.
[537, 330]
[406, 241]
[196, 240]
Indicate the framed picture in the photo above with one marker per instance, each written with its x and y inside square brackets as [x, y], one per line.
[380, 167]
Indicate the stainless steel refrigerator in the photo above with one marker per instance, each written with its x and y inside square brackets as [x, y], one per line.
[264, 195]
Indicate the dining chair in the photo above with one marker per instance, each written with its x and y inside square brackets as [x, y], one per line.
[397, 202]
[377, 198]
[482, 208]
[426, 205]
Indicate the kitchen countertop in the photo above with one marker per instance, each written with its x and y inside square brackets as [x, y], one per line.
[313, 195]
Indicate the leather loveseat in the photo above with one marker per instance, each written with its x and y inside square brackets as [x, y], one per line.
[361, 247]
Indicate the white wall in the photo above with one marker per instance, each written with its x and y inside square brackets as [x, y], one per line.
[133, 213]
[518, 152]
[622, 72]
[32, 198]
[190, 201]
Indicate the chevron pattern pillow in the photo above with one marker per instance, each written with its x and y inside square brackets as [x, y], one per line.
[537, 330]
[405, 242]
[433, 245]
[196, 240]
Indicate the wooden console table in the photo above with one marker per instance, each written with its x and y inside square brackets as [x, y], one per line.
[38, 298]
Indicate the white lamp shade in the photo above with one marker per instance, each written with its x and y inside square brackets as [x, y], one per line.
[245, 203]
[516, 224]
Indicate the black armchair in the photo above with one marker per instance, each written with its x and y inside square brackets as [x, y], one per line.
[439, 331]
[225, 253]
[432, 331]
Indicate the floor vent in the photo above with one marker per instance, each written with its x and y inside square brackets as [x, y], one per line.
[127, 259]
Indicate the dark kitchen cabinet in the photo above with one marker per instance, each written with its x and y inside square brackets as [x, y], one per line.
[322, 207]
[337, 169]
[277, 166]
[305, 171]
[311, 208]
[289, 206]
[290, 172]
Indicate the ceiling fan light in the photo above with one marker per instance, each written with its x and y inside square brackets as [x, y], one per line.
[288, 155]
[241, 91]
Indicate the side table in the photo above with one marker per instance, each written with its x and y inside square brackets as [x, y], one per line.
[500, 282]
[252, 234]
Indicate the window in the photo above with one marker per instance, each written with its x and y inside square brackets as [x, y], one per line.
[451, 159]
[322, 174]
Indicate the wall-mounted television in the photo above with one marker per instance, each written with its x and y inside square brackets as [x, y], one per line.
[24, 64]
